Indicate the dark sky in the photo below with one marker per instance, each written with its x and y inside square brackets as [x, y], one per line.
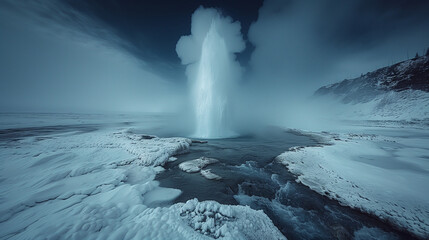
[151, 29]
[68, 48]
[302, 45]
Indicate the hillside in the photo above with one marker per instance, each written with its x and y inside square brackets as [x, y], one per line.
[396, 92]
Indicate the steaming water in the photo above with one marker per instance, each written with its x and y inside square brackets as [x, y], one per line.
[211, 87]
[252, 177]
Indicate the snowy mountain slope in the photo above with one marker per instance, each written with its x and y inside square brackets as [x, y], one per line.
[397, 92]
[411, 74]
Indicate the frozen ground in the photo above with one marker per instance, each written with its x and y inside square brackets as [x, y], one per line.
[406, 105]
[382, 169]
[82, 179]
[197, 165]
[91, 183]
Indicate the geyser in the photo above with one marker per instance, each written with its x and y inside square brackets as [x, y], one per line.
[212, 70]
[209, 90]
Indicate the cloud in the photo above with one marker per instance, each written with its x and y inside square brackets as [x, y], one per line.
[306, 44]
[303, 45]
[188, 48]
[48, 66]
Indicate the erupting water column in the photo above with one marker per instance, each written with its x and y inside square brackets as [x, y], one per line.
[211, 87]
[209, 53]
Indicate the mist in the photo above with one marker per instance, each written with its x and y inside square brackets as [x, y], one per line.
[69, 57]
[51, 67]
[300, 46]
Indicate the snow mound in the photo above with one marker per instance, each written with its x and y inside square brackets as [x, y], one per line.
[196, 165]
[228, 222]
[153, 150]
[207, 173]
[386, 176]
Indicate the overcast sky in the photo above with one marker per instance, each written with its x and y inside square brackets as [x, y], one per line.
[119, 55]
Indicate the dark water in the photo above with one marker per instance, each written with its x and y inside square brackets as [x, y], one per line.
[252, 177]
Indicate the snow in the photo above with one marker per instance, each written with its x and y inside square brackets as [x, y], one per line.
[406, 105]
[383, 172]
[396, 92]
[99, 184]
[207, 173]
[153, 151]
[224, 221]
[196, 165]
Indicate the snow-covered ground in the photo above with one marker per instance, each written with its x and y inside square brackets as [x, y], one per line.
[382, 170]
[406, 105]
[99, 184]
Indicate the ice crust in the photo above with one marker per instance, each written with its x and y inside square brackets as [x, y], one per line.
[100, 185]
[196, 165]
[231, 222]
[207, 173]
[385, 175]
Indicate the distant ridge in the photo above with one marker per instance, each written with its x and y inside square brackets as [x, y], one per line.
[410, 74]
[396, 92]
